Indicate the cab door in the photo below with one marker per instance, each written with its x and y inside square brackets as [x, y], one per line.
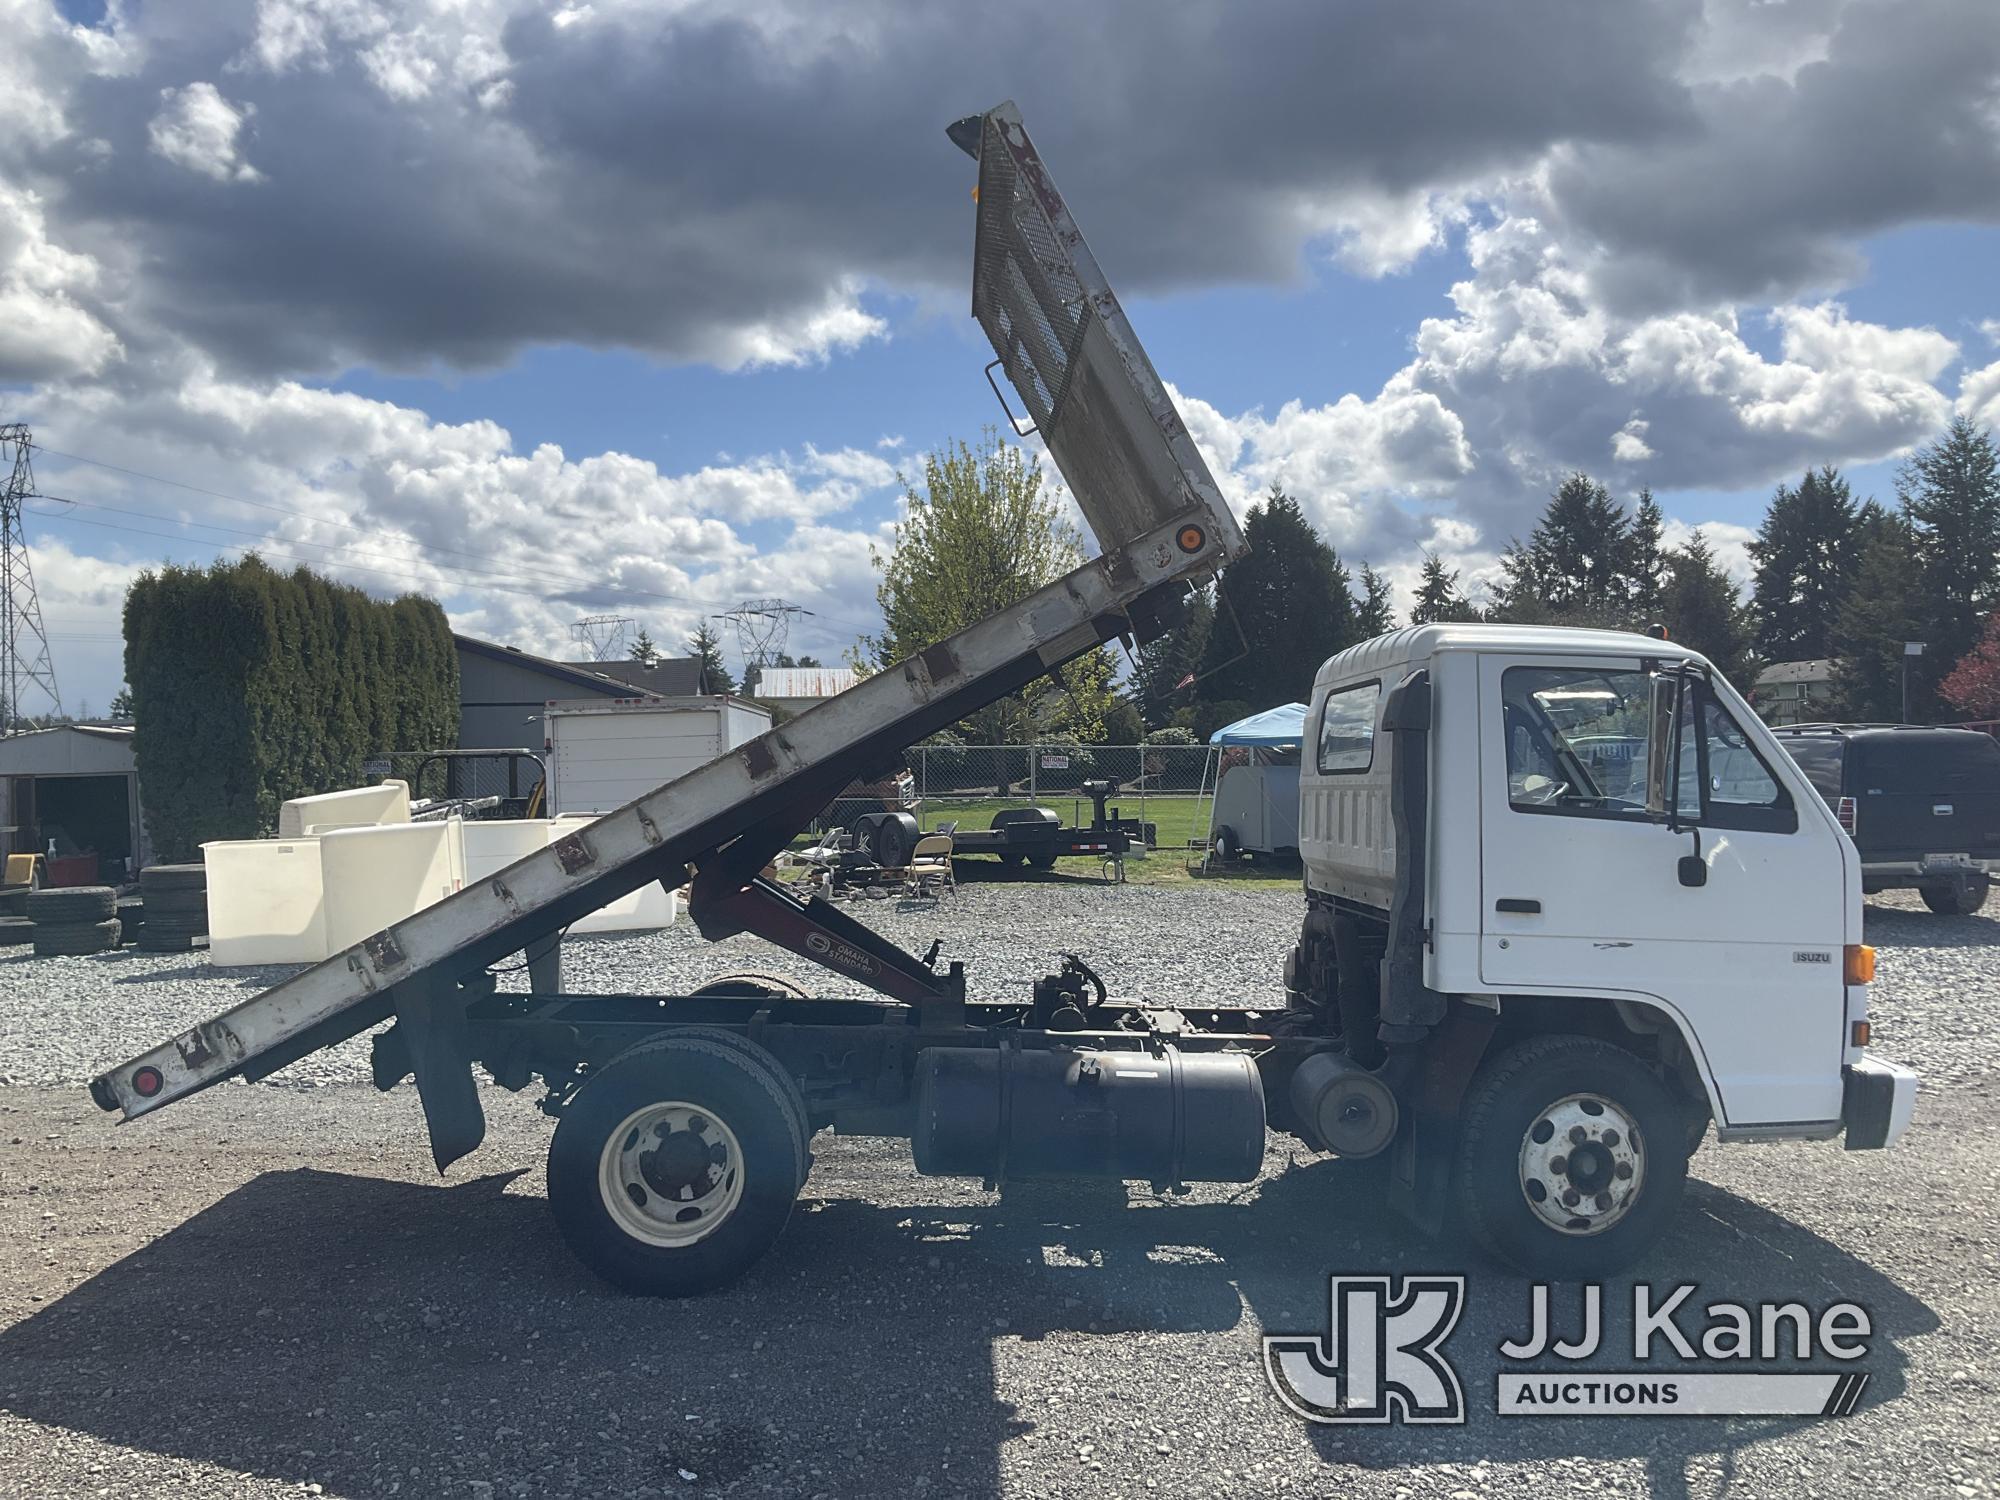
[1583, 893]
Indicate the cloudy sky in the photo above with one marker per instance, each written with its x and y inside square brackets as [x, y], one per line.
[636, 307]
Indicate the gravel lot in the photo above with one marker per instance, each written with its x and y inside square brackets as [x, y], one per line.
[268, 1291]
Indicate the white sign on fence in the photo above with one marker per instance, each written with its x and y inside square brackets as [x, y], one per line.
[1055, 762]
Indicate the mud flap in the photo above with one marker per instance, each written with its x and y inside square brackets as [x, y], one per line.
[431, 1022]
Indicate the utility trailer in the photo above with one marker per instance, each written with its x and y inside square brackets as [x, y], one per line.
[1037, 835]
[1543, 1071]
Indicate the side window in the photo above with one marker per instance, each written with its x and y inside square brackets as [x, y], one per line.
[1742, 792]
[1576, 739]
[1347, 730]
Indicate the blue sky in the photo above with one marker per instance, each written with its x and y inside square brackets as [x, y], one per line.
[557, 309]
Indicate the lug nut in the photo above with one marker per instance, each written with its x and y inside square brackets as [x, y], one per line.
[1559, 1165]
[1578, 1135]
[1571, 1197]
[1624, 1171]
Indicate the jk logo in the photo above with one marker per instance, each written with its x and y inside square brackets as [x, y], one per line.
[1380, 1358]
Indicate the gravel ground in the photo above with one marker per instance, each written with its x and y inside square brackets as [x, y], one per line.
[269, 1292]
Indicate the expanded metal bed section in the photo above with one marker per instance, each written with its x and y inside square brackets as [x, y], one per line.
[1066, 347]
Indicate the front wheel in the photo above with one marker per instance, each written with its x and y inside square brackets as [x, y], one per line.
[1571, 1159]
[675, 1168]
[1959, 898]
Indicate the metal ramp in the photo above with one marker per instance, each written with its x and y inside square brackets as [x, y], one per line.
[1155, 511]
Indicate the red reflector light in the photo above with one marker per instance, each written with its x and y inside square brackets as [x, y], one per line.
[147, 1082]
[1845, 813]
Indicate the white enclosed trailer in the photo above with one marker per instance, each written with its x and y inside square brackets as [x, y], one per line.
[602, 753]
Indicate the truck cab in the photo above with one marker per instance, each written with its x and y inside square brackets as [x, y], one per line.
[1594, 846]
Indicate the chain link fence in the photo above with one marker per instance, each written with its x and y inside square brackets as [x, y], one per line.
[967, 784]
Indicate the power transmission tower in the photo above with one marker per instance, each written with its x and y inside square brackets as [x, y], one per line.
[24, 644]
[762, 628]
[602, 636]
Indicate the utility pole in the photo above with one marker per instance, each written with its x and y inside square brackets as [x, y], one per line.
[602, 636]
[24, 644]
[762, 628]
[1910, 649]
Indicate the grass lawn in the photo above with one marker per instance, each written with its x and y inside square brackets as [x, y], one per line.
[1182, 824]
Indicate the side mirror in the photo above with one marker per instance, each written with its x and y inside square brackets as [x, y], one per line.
[1663, 745]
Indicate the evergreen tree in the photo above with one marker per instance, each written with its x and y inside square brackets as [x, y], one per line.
[1580, 551]
[1374, 615]
[1291, 601]
[705, 648]
[1645, 559]
[1703, 610]
[1805, 555]
[121, 705]
[1438, 599]
[1576, 567]
[1884, 608]
[1166, 664]
[644, 652]
[1951, 494]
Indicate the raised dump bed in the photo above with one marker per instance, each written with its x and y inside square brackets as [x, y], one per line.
[1155, 511]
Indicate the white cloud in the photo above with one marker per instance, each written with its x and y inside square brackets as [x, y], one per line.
[1729, 542]
[197, 128]
[47, 330]
[1628, 443]
[1979, 396]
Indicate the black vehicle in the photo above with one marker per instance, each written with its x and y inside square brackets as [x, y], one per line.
[1922, 805]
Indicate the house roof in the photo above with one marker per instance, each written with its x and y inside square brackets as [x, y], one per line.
[1819, 669]
[803, 682]
[587, 677]
[668, 676]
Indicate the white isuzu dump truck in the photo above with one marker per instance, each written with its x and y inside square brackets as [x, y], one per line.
[1566, 902]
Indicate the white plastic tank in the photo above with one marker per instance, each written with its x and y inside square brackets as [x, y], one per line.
[266, 902]
[651, 906]
[375, 877]
[493, 845]
[357, 807]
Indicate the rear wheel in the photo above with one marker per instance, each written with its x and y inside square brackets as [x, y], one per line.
[1042, 861]
[675, 1168]
[1228, 847]
[1958, 898]
[1572, 1156]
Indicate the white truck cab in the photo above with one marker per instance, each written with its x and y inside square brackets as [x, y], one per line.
[1595, 844]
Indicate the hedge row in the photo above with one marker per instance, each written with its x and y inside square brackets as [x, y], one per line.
[251, 686]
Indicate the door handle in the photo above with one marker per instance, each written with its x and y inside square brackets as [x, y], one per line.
[1518, 904]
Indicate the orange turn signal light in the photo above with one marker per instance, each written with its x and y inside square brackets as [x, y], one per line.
[1860, 1033]
[1192, 539]
[1860, 964]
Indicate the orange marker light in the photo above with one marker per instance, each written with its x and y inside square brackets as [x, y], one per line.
[1860, 1033]
[1192, 539]
[1860, 964]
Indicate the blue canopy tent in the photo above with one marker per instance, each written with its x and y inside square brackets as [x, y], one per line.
[1254, 803]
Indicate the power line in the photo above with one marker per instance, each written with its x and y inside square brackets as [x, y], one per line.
[24, 640]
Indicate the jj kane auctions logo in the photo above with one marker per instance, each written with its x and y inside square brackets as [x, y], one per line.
[1382, 1357]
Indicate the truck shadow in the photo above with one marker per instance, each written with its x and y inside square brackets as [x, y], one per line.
[354, 1332]
[1900, 927]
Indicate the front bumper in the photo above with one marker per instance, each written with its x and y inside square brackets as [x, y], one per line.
[1876, 1101]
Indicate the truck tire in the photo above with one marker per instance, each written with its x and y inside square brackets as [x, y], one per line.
[173, 878]
[74, 939]
[68, 905]
[1960, 898]
[675, 1167]
[1571, 1157]
[1228, 847]
[1042, 861]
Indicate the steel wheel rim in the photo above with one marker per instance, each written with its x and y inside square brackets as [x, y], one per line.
[1582, 1164]
[671, 1174]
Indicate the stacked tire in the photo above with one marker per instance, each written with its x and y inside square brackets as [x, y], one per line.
[176, 903]
[73, 920]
